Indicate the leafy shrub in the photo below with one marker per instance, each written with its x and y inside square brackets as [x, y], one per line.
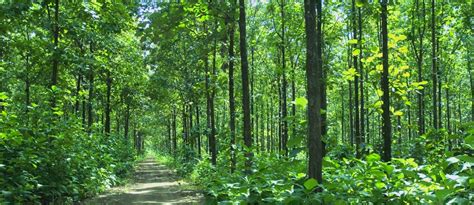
[56, 160]
[347, 181]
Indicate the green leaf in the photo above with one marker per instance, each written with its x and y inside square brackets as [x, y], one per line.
[378, 104]
[310, 184]
[379, 92]
[469, 140]
[355, 52]
[389, 168]
[360, 3]
[398, 113]
[353, 41]
[372, 157]
[301, 101]
[380, 185]
[452, 160]
[300, 175]
[3, 96]
[465, 158]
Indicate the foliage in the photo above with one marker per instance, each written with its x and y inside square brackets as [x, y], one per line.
[347, 181]
[59, 161]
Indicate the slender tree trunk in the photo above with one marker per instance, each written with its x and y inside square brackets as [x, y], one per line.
[387, 125]
[313, 89]
[351, 115]
[284, 82]
[169, 141]
[231, 92]
[107, 104]
[245, 84]
[127, 122]
[91, 93]
[56, 55]
[293, 98]
[173, 125]
[361, 71]
[356, 86]
[471, 80]
[343, 127]
[210, 112]
[434, 69]
[27, 85]
[198, 129]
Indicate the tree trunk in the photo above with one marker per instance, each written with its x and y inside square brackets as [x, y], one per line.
[387, 125]
[55, 69]
[284, 128]
[198, 124]
[313, 89]
[356, 86]
[107, 104]
[361, 71]
[434, 69]
[127, 122]
[91, 93]
[173, 125]
[245, 85]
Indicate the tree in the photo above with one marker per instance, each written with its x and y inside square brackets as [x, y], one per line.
[313, 86]
[231, 28]
[387, 125]
[247, 132]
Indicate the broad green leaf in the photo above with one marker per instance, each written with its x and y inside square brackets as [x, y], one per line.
[360, 3]
[378, 104]
[379, 92]
[469, 140]
[353, 41]
[379, 185]
[310, 184]
[301, 101]
[372, 157]
[398, 113]
[355, 52]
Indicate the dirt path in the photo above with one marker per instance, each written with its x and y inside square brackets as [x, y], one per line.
[153, 183]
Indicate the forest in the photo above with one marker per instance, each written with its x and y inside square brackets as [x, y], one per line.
[247, 102]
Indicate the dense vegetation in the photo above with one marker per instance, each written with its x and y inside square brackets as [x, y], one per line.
[268, 102]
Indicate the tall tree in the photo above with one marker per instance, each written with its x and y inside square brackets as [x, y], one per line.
[434, 68]
[284, 125]
[56, 56]
[313, 86]
[245, 81]
[231, 28]
[387, 125]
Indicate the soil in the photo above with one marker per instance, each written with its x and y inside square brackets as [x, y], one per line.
[152, 183]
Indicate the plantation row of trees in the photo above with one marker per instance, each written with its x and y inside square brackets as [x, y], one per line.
[362, 86]
[280, 80]
[72, 86]
[281, 102]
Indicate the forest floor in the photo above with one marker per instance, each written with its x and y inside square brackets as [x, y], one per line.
[152, 183]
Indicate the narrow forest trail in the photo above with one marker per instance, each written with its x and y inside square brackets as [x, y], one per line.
[152, 183]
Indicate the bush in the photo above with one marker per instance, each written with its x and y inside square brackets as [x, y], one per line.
[56, 160]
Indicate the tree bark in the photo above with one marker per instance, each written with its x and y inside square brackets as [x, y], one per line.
[313, 86]
[107, 104]
[356, 86]
[284, 128]
[387, 125]
[55, 69]
[91, 93]
[247, 132]
[434, 68]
